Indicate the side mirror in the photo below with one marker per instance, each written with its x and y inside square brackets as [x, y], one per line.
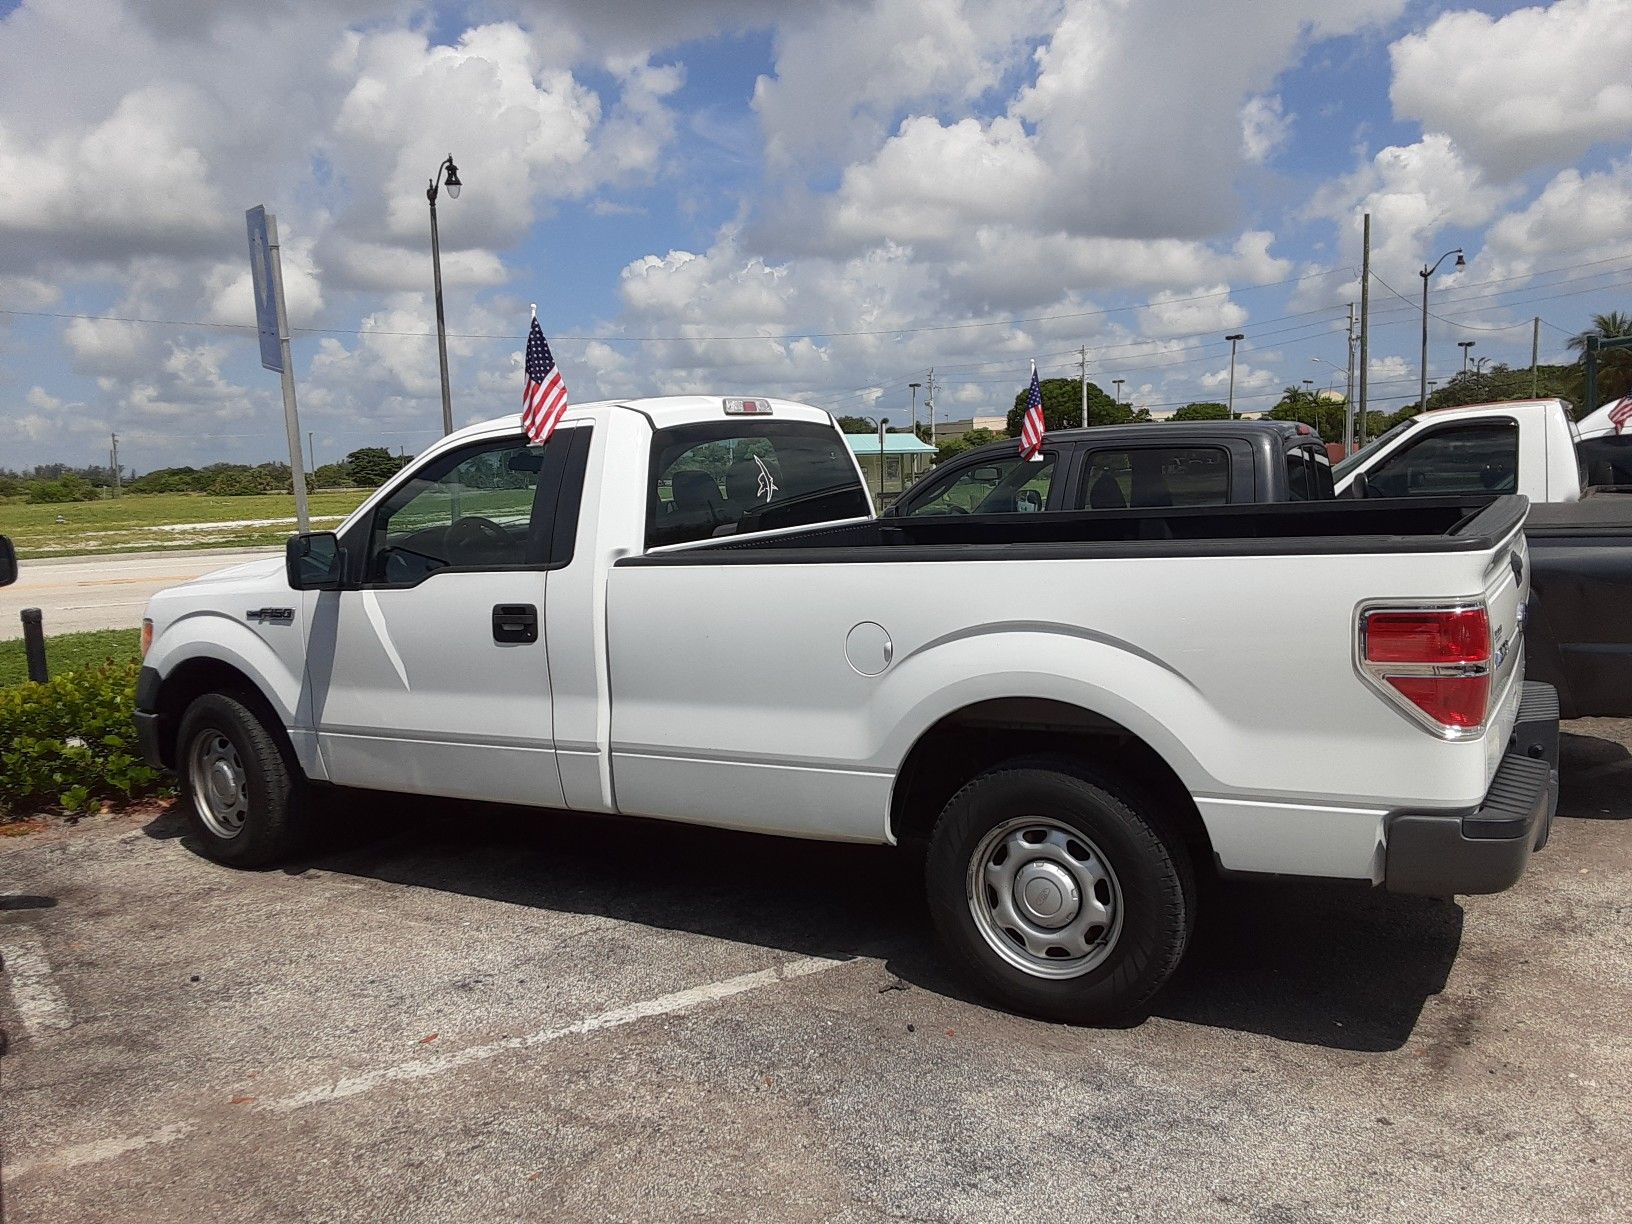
[315, 561]
[1359, 486]
[8, 562]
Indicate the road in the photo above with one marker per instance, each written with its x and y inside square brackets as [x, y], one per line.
[460, 1013]
[107, 592]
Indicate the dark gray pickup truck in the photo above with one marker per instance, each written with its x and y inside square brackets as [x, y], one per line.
[1131, 467]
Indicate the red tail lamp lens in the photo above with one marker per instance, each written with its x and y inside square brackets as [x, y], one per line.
[1462, 636]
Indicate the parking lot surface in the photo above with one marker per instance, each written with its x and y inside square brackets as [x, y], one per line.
[461, 1013]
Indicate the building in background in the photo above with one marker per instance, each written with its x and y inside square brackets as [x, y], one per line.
[905, 458]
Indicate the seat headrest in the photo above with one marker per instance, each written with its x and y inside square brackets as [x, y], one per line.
[693, 489]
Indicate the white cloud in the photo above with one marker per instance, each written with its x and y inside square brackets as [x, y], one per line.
[1586, 215]
[1264, 127]
[1207, 308]
[1538, 86]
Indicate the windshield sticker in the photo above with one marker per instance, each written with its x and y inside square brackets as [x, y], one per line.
[767, 484]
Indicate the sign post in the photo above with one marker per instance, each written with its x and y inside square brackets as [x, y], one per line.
[272, 322]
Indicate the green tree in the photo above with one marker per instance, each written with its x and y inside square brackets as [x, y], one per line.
[1614, 365]
[371, 466]
[1323, 414]
[965, 442]
[332, 476]
[856, 425]
[1062, 407]
[1206, 410]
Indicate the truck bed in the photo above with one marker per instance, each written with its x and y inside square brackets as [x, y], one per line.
[1405, 525]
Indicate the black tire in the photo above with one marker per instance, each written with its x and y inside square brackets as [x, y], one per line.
[1151, 886]
[274, 819]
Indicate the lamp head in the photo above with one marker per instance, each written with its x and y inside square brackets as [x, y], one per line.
[1460, 261]
[452, 181]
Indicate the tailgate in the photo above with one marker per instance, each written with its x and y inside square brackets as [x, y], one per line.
[1507, 590]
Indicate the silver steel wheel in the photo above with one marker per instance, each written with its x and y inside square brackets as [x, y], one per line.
[1044, 897]
[218, 783]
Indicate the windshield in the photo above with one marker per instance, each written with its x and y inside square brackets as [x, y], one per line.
[1341, 470]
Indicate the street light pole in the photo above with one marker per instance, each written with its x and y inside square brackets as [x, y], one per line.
[1233, 340]
[1465, 345]
[1425, 274]
[1119, 382]
[915, 387]
[446, 173]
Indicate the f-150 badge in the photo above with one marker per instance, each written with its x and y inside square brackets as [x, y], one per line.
[276, 616]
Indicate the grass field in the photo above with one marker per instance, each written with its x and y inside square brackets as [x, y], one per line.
[146, 521]
[69, 652]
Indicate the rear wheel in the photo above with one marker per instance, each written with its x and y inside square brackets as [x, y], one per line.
[1060, 891]
[245, 801]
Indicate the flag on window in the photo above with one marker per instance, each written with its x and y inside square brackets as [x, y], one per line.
[1621, 413]
[544, 401]
[1031, 425]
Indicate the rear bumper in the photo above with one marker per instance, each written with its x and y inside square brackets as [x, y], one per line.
[1441, 854]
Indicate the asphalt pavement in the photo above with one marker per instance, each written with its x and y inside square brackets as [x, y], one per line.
[455, 1012]
[106, 592]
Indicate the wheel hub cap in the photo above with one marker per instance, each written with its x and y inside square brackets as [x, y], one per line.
[219, 783]
[1044, 898]
[1046, 894]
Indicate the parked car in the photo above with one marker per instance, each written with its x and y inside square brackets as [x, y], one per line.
[1580, 527]
[682, 610]
[1120, 467]
[8, 562]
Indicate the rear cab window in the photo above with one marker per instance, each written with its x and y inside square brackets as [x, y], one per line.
[732, 477]
[1308, 474]
[1153, 477]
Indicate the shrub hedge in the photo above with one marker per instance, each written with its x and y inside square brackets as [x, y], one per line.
[71, 743]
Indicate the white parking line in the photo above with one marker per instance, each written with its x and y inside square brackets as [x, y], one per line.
[423, 1068]
[38, 1000]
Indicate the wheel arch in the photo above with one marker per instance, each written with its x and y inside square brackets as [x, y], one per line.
[190, 679]
[962, 744]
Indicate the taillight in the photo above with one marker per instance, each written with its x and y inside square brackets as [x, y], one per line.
[1435, 663]
[147, 634]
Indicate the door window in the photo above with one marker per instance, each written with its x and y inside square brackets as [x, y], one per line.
[1606, 460]
[473, 508]
[1007, 485]
[1481, 457]
[1150, 477]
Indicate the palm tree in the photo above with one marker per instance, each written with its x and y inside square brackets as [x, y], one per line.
[1614, 365]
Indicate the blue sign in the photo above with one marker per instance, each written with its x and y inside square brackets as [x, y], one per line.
[266, 287]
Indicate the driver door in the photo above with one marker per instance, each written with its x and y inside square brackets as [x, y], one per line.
[429, 673]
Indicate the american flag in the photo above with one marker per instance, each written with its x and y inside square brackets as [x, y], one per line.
[1031, 428]
[544, 401]
[1621, 413]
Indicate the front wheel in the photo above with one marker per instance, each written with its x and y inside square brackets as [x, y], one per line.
[245, 801]
[1061, 893]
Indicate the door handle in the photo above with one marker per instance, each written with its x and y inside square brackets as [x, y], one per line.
[515, 623]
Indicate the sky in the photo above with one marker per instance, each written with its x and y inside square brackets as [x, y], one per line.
[821, 201]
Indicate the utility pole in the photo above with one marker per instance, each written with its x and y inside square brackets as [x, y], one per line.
[114, 463]
[310, 451]
[1535, 352]
[929, 405]
[1234, 339]
[1348, 392]
[1082, 365]
[1365, 328]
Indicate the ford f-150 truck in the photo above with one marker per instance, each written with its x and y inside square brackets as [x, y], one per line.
[684, 608]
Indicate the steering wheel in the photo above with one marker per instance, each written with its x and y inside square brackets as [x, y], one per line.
[474, 531]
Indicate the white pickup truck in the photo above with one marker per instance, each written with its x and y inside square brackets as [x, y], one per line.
[683, 608]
